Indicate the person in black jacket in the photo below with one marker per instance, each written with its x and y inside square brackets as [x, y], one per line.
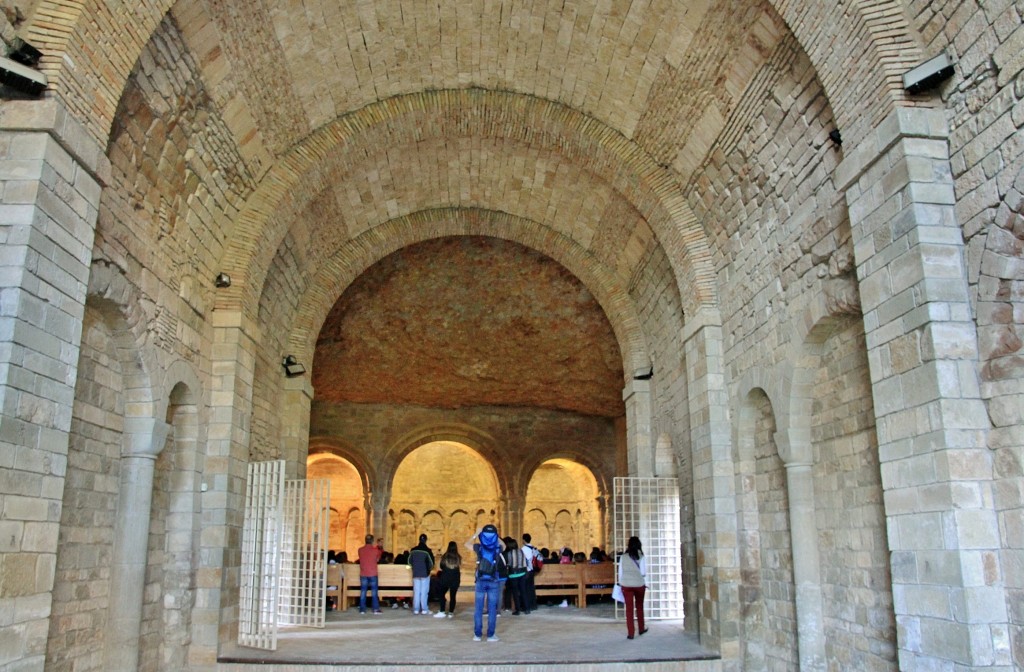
[421, 559]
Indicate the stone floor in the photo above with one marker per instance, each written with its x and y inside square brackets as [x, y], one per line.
[550, 638]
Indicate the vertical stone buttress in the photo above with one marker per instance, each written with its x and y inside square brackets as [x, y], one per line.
[713, 485]
[931, 422]
[51, 174]
[639, 442]
[215, 615]
[298, 400]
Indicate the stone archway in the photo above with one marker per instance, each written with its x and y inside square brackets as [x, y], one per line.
[444, 489]
[348, 500]
[563, 496]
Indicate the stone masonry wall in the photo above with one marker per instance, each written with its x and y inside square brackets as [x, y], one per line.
[985, 107]
[785, 241]
[82, 581]
[177, 178]
[854, 551]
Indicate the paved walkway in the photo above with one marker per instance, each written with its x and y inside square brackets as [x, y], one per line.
[549, 636]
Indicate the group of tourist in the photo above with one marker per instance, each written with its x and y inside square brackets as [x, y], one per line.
[502, 567]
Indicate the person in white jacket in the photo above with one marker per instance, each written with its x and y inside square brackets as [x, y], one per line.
[632, 579]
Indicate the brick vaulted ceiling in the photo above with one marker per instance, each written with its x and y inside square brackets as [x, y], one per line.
[469, 321]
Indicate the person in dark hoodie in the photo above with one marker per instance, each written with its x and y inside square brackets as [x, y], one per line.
[421, 559]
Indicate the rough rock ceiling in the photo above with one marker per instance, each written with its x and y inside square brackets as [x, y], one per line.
[469, 321]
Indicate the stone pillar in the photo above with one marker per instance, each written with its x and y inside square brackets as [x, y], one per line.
[51, 174]
[714, 485]
[144, 438]
[512, 520]
[795, 449]
[377, 515]
[932, 425]
[639, 442]
[233, 362]
[295, 412]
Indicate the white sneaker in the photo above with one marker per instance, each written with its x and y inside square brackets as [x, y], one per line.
[565, 603]
[476, 638]
[415, 613]
[493, 638]
[439, 614]
[451, 615]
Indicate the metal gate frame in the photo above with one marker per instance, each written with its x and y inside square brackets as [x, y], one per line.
[648, 508]
[284, 554]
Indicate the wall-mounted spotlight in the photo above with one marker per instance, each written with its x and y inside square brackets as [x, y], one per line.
[21, 77]
[929, 75]
[24, 53]
[222, 280]
[292, 368]
[836, 137]
[645, 373]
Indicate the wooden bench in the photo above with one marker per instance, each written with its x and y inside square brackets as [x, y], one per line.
[392, 581]
[575, 581]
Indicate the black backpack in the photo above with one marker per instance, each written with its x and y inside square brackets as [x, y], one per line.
[492, 563]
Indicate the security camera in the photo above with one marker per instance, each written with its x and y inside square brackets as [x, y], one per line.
[21, 78]
[928, 75]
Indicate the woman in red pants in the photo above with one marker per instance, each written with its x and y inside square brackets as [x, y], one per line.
[632, 575]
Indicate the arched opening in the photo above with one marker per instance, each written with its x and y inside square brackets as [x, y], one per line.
[348, 501]
[562, 508]
[443, 489]
[173, 539]
[767, 593]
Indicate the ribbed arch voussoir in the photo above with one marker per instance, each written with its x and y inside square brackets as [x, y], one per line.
[525, 120]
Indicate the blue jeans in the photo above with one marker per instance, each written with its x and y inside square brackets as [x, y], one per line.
[364, 583]
[490, 590]
[420, 594]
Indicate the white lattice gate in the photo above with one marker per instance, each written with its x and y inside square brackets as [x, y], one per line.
[284, 554]
[261, 531]
[304, 553]
[648, 508]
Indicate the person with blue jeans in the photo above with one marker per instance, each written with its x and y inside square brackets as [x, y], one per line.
[369, 556]
[488, 549]
[421, 560]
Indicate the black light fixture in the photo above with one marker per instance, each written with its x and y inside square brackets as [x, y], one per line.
[292, 368]
[222, 280]
[645, 373]
[836, 137]
[24, 53]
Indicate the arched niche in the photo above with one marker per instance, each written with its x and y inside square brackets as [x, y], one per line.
[348, 500]
[435, 486]
[563, 496]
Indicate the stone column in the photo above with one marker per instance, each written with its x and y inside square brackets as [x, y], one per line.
[639, 442]
[932, 425]
[144, 438]
[795, 449]
[714, 485]
[512, 520]
[51, 174]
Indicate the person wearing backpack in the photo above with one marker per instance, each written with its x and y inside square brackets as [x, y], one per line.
[488, 548]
